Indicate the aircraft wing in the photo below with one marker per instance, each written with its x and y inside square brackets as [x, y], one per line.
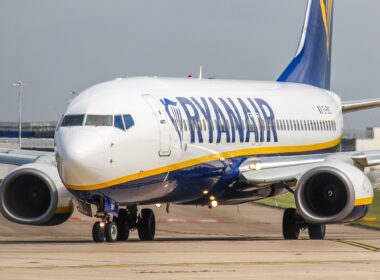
[20, 157]
[270, 170]
[353, 106]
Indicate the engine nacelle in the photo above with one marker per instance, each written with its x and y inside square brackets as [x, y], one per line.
[33, 194]
[335, 192]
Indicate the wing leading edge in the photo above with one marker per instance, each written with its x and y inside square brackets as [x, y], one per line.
[353, 106]
[20, 157]
[265, 171]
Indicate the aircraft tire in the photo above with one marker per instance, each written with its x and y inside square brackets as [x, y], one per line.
[317, 231]
[97, 233]
[146, 225]
[122, 225]
[110, 232]
[290, 226]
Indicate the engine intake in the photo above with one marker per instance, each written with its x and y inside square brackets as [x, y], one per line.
[326, 194]
[33, 194]
[28, 196]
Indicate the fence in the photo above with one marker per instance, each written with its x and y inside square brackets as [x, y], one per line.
[29, 129]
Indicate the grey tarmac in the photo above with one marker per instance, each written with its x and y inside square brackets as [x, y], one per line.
[227, 242]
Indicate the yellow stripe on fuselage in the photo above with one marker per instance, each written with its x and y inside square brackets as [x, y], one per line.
[209, 158]
[363, 201]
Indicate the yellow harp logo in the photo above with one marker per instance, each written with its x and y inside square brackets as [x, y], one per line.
[326, 10]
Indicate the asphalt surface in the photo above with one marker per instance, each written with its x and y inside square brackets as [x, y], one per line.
[228, 242]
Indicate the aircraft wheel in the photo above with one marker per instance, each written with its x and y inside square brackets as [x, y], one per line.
[98, 232]
[317, 231]
[146, 225]
[290, 226]
[110, 232]
[122, 225]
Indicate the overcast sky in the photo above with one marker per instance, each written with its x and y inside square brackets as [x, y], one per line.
[59, 46]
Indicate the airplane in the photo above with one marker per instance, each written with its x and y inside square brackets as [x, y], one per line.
[128, 143]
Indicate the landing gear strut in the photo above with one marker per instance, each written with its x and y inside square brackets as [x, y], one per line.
[292, 224]
[118, 228]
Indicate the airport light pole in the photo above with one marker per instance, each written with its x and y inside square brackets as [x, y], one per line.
[19, 84]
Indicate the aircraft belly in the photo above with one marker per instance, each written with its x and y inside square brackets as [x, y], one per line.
[183, 186]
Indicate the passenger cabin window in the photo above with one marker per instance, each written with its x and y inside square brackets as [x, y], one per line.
[99, 120]
[302, 125]
[128, 121]
[72, 120]
[118, 122]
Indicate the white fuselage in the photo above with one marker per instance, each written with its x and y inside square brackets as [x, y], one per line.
[181, 123]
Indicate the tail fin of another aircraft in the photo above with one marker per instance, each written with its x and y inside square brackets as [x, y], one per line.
[312, 63]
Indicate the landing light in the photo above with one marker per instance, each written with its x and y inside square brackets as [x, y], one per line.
[205, 192]
[212, 198]
[102, 224]
[214, 203]
[255, 166]
[158, 205]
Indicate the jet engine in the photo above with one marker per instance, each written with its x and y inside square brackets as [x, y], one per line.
[33, 194]
[334, 192]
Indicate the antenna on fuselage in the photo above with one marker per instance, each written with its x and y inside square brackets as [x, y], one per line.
[200, 72]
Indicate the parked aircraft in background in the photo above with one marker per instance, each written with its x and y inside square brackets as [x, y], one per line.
[140, 141]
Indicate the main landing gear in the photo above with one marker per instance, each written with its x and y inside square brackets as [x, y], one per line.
[292, 224]
[118, 228]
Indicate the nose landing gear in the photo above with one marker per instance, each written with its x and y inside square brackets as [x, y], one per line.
[98, 232]
[118, 228]
[111, 232]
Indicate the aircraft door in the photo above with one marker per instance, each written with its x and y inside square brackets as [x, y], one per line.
[163, 124]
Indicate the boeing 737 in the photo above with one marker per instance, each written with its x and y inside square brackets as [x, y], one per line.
[140, 141]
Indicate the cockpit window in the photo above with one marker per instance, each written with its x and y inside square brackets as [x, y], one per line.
[72, 120]
[118, 122]
[128, 121]
[99, 120]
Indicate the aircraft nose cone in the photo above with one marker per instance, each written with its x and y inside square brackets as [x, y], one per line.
[80, 155]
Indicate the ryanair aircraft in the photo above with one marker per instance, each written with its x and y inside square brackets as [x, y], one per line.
[141, 141]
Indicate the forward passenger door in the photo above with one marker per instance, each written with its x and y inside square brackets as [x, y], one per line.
[163, 124]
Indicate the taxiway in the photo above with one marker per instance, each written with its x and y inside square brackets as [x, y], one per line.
[228, 242]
